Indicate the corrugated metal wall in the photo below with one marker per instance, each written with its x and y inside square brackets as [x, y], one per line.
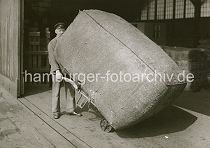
[9, 44]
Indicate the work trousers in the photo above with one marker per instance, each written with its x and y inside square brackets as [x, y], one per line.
[69, 96]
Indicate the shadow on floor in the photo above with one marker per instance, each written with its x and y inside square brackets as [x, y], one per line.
[195, 101]
[170, 120]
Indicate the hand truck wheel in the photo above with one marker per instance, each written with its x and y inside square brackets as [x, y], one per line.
[105, 126]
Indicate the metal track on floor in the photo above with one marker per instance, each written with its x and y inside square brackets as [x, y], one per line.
[56, 126]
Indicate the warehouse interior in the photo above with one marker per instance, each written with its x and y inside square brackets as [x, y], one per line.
[40, 16]
[180, 27]
[171, 23]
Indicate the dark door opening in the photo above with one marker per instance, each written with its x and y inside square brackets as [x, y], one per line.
[39, 19]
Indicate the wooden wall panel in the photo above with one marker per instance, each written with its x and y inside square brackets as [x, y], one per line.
[9, 43]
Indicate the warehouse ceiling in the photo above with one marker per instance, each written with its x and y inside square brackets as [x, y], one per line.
[66, 10]
[129, 10]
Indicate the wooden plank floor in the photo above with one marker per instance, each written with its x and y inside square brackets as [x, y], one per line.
[173, 127]
[20, 128]
[85, 129]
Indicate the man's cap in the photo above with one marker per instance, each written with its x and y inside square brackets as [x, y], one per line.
[60, 25]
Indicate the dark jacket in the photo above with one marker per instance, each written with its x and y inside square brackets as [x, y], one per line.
[52, 56]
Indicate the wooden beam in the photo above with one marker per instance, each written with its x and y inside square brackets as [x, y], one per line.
[155, 9]
[10, 43]
[184, 15]
[197, 14]
[174, 9]
[147, 10]
[21, 48]
[164, 9]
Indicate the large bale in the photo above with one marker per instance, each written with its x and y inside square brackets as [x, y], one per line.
[97, 42]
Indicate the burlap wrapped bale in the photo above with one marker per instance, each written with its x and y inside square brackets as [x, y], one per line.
[98, 41]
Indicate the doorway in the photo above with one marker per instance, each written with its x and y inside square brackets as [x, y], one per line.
[39, 18]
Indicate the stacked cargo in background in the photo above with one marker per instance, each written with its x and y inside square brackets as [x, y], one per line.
[191, 60]
[205, 44]
[208, 64]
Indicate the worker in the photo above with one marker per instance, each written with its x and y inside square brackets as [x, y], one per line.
[57, 77]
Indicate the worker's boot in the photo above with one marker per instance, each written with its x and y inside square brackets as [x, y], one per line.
[56, 115]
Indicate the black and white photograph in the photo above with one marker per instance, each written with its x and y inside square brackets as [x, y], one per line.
[104, 74]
